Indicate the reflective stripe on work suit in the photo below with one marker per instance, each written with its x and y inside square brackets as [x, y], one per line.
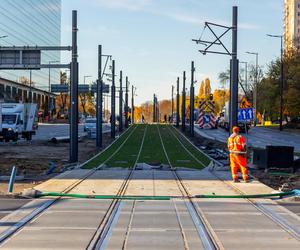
[238, 156]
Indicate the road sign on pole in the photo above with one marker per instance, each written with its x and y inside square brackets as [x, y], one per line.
[104, 86]
[245, 114]
[59, 88]
[83, 88]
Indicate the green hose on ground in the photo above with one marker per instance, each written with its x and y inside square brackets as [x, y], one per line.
[295, 192]
[105, 197]
[247, 196]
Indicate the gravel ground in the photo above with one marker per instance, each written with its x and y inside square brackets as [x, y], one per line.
[32, 159]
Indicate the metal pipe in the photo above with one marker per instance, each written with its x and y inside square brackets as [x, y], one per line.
[12, 180]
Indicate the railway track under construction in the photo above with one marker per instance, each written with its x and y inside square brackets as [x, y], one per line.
[142, 213]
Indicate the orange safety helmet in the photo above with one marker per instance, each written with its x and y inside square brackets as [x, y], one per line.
[235, 129]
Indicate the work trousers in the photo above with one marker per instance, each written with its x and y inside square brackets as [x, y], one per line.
[238, 162]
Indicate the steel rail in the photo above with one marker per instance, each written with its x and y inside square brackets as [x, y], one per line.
[283, 223]
[125, 241]
[17, 227]
[100, 238]
[207, 238]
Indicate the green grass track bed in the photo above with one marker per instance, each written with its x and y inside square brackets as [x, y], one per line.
[152, 151]
[126, 157]
[178, 156]
[200, 156]
[106, 153]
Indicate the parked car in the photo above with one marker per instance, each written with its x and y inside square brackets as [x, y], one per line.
[90, 123]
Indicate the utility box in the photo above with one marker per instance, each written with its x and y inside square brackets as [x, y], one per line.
[259, 158]
[280, 156]
[274, 157]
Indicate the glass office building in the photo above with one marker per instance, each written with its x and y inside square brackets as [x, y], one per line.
[32, 22]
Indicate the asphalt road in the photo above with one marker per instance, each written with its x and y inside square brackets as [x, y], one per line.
[257, 137]
[48, 131]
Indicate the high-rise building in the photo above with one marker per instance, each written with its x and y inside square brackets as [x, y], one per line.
[32, 22]
[291, 24]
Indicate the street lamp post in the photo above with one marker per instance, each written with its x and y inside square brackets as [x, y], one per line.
[49, 87]
[255, 85]
[3, 37]
[281, 78]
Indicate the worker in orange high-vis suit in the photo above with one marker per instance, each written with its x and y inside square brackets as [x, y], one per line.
[238, 155]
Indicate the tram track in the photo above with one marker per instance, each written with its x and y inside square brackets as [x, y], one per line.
[100, 238]
[17, 227]
[207, 236]
[284, 224]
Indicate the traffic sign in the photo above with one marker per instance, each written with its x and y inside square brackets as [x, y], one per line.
[15, 58]
[245, 114]
[105, 88]
[83, 88]
[59, 88]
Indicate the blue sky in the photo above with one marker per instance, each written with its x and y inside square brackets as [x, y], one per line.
[151, 39]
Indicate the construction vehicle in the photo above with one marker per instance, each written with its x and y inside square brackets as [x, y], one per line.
[17, 121]
[206, 113]
[224, 120]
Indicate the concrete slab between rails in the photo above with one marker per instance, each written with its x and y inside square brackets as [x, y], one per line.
[154, 225]
[18, 215]
[62, 181]
[153, 182]
[270, 207]
[68, 224]
[104, 182]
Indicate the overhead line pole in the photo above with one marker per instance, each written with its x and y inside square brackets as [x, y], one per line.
[74, 93]
[172, 104]
[281, 85]
[154, 109]
[132, 104]
[121, 103]
[234, 73]
[192, 89]
[99, 100]
[126, 103]
[183, 104]
[177, 104]
[113, 100]
[233, 105]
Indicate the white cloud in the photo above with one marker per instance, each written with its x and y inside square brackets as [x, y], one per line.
[148, 6]
[187, 18]
[132, 5]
